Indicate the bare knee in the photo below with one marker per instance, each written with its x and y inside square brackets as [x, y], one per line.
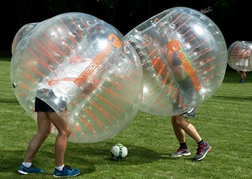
[43, 133]
[68, 132]
[178, 120]
[65, 132]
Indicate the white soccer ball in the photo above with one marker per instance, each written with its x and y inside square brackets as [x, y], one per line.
[119, 152]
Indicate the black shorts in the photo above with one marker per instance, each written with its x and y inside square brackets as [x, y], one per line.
[48, 95]
[42, 106]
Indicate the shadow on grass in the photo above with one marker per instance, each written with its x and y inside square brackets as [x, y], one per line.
[85, 156]
[11, 160]
[168, 157]
[99, 153]
[235, 98]
[9, 101]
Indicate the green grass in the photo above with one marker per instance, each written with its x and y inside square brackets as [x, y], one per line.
[224, 120]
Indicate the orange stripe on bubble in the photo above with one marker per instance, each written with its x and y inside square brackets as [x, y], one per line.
[88, 125]
[112, 93]
[40, 60]
[93, 116]
[78, 129]
[113, 107]
[114, 42]
[106, 114]
[45, 51]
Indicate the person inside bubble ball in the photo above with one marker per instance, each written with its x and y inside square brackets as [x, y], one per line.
[242, 75]
[62, 81]
[181, 127]
[47, 117]
[180, 123]
[243, 62]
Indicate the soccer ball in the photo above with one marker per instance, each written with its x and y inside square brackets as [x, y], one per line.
[119, 152]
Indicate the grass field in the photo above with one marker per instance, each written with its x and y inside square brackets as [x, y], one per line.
[224, 120]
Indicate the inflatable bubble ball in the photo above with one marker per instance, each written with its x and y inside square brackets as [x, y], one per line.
[184, 58]
[80, 66]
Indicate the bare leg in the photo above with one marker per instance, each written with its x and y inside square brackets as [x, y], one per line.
[44, 128]
[243, 75]
[182, 126]
[62, 137]
[179, 132]
[239, 73]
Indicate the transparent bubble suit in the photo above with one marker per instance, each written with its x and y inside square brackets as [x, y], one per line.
[78, 60]
[239, 55]
[184, 58]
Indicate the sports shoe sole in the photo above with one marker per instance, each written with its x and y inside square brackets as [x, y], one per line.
[181, 155]
[199, 159]
[22, 172]
[57, 176]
